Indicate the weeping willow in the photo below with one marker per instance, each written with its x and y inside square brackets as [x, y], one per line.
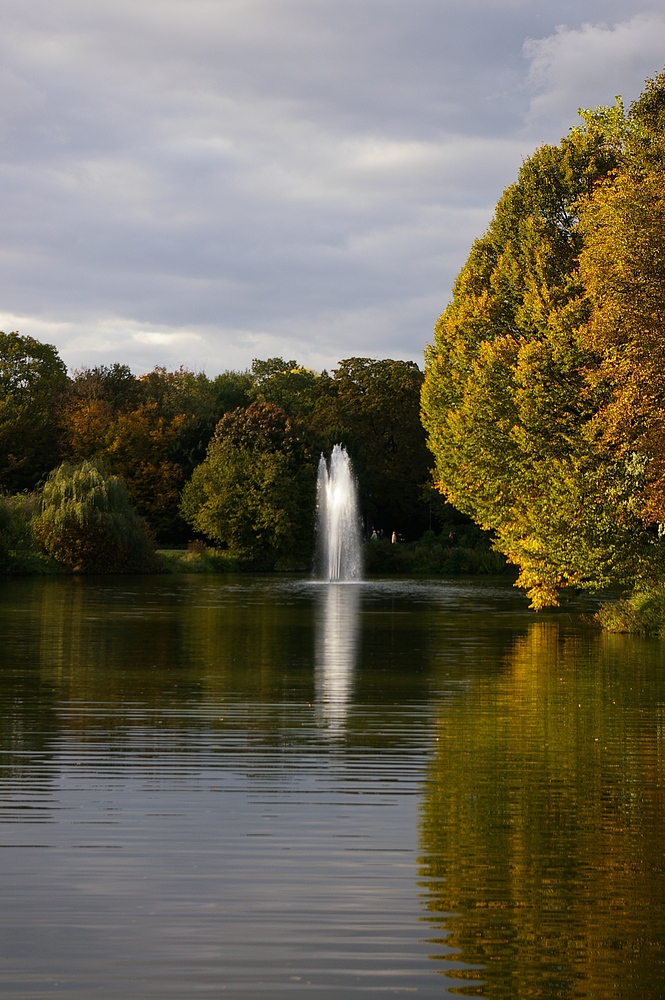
[88, 523]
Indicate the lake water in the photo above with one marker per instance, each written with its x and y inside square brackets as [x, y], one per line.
[218, 786]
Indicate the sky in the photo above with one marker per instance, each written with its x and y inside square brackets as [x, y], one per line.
[203, 182]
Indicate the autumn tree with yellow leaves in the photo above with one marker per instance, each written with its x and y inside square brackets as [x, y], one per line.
[544, 397]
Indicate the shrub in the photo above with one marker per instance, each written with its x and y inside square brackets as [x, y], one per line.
[643, 611]
[468, 554]
[88, 524]
[17, 513]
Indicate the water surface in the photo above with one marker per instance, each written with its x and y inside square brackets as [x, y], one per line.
[241, 786]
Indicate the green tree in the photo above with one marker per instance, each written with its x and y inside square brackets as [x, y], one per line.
[255, 491]
[32, 377]
[88, 524]
[513, 383]
[17, 514]
[287, 384]
[152, 431]
[373, 407]
[623, 271]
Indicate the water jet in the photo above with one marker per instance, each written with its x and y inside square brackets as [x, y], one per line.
[338, 519]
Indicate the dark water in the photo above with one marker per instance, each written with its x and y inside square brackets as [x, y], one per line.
[236, 787]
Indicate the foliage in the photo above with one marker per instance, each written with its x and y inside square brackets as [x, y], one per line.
[196, 558]
[643, 611]
[517, 383]
[31, 378]
[88, 524]
[141, 446]
[373, 407]
[255, 491]
[153, 431]
[623, 271]
[286, 384]
[17, 514]
[89, 405]
[463, 551]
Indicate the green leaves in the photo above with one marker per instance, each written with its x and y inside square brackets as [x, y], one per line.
[88, 524]
[546, 368]
[31, 378]
[255, 492]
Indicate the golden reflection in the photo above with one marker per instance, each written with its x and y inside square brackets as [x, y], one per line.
[336, 650]
[543, 822]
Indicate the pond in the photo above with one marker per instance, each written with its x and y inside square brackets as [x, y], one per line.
[244, 786]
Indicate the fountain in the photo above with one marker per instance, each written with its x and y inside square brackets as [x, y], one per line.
[338, 519]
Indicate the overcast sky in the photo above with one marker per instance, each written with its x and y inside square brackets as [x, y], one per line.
[201, 182]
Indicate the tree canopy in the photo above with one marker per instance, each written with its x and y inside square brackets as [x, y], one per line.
[255, 491]
[32, 376]
[541, 408]
[88, 524]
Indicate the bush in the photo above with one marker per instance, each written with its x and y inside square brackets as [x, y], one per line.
[17, 513]
[643, 611]
[467, 553]
[88, 524]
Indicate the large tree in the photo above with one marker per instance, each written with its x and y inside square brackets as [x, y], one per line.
[32, 377]
[622, 267]
[516, 393]
[255, 492]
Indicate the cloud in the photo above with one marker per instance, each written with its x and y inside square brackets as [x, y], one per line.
[590, 65]
[201, 182]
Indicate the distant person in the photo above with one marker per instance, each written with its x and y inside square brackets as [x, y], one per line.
[374, 537]
[394, 538]
[452, 538]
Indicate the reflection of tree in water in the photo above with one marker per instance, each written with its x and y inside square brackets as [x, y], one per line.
[127, 653]
[542, 828]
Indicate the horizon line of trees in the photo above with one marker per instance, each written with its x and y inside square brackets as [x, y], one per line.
[231, 458]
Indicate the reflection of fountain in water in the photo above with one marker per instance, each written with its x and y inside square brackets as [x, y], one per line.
[336, 649]
[337, 519]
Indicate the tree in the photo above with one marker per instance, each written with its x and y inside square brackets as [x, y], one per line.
[287, 384]
[17, 514]
[153, 430]
[32, 376]
[91, 403]
[255, 492]
[622, 266]
[513, 383]
[373, 407]
[142, 447]
[88, 524]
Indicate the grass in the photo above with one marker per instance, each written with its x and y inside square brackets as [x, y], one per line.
[30, 562]
[196, 558]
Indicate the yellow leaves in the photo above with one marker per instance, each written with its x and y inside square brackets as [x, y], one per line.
[623, 267]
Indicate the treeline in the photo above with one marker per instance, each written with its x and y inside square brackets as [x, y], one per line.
[88, 459]
[544, 394]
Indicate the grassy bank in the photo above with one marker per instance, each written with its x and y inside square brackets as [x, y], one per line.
[196, 558]
[642, 612]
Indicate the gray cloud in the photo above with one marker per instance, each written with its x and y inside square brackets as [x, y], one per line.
[203, 182]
